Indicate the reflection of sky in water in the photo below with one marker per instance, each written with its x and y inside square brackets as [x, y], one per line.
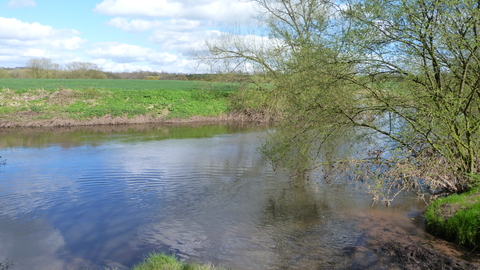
[209, 199]
[97, 198]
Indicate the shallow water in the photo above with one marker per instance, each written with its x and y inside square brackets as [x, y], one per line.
[107, 196]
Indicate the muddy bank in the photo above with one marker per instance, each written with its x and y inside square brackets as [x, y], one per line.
[34, 119]
[394, 242]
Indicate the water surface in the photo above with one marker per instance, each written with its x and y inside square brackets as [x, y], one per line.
[107, 196]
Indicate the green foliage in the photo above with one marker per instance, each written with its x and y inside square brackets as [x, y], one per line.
[169, 262]
[4, 73]
[252, 99]
[456, 217]
[404, 73]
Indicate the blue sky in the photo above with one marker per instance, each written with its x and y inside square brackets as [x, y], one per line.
[117, 35]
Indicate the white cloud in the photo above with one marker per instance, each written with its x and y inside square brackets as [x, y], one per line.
[180, 65]
[179, 41]
[23, 41]
[164, 32]
[209, 10]
[71, 44]
[119, 67]
[35, 53]
[11, 28]
[14, 32]
[140, 25]
[22, 3]
[133, 25]
[125, 53]
[176, 27]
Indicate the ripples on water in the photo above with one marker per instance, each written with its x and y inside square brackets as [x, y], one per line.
[106, 199]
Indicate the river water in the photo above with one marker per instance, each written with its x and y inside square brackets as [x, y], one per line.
[78, 198]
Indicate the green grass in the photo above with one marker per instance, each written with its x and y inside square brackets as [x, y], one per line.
[456, 217]
[86, 99]
[167, 262]
[54, 84]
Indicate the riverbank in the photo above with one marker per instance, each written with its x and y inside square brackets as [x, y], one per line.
[87, 107]
[401, 242]
[34, 120]
[456, 218]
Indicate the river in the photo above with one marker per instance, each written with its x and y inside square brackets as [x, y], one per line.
[95, 197]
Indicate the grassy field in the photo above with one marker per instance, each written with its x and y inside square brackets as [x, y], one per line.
[80, 100]
[54, 84]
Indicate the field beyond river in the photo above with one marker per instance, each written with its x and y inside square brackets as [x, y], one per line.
[71, 102]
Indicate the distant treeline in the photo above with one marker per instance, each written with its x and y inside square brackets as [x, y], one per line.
[44, 68]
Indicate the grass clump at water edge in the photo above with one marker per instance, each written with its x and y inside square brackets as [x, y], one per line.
[161, 261]
[456, 217]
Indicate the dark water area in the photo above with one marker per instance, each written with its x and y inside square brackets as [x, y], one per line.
[89, 198]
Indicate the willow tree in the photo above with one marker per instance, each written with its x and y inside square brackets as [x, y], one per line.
[432, 47]
[404, 72]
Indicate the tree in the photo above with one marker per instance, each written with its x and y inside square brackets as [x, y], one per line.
[432, 46]
[4, 73]
[43, 68]
[404, 73]
[84, 70]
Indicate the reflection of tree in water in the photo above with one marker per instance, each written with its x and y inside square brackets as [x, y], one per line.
[347, 154]
[297, 204]
[6, 264]
[2, 163]
[307, 232]
[97, 135]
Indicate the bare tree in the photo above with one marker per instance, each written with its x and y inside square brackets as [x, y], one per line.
[84, 70]
[43, 68]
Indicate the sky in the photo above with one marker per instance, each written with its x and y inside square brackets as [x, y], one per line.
[117, 35]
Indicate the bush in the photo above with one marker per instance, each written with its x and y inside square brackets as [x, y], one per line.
[252, 100]
[4, 73]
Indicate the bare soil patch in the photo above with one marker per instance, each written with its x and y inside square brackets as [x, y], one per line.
[395, 242]
[63, 97]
